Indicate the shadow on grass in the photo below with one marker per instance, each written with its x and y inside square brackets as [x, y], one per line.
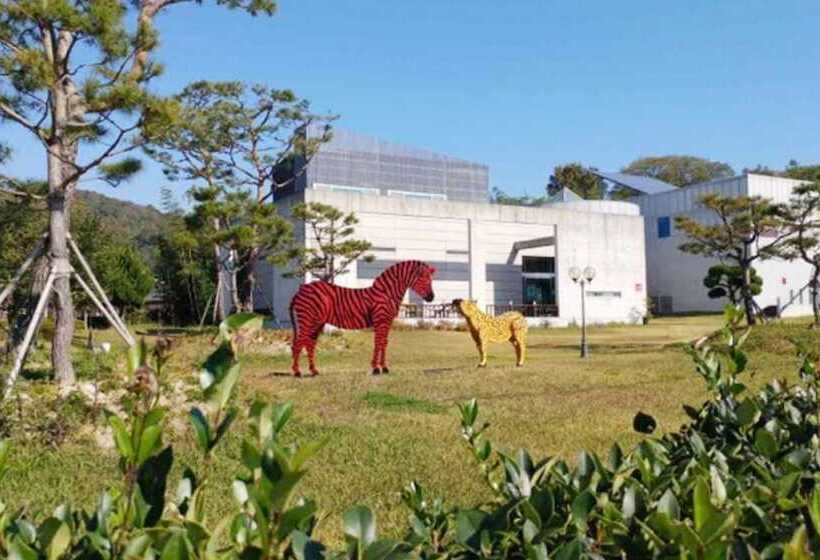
[610, 348]
[439, 370]
[389, 401]
[39, 374]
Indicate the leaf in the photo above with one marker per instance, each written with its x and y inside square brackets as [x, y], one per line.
[201, 429]
[644, 423]
[797, 549]
[616, 457]
[304, 548]
[703, 504]
[121, 437]
[629, 506]
[570, 551]
[223, 427]
[19, 550]
[582, 506]
[176, 549]
[668, 504]
[747, 412]
[55, 537]
[765, 443]
[148, 443]
[137, 546]
[246, 322]
[305, 452]
[360, 525]
[536, 551]
[137, 356]
[469, 523]
[814, 509]
[152, 478]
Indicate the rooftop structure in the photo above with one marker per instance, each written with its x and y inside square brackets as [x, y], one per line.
[644, 185]
[352, 162]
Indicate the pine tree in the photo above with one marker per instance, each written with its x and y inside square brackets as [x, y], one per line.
[329, 249]
[75, 76]
[747, 229]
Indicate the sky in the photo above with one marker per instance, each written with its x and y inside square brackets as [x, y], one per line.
[520, 86]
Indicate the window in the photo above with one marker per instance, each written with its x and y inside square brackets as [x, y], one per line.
[664, 227]
[542, 265]
[415, 194]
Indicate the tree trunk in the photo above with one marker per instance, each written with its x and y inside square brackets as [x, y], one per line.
[746, 290]
[219, 312]
[815, 304]
[247, 281]
[63, 306]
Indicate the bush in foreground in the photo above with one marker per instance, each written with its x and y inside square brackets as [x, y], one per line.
[738, 481]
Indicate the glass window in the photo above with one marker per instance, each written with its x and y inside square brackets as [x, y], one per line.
[539, 291]
[538, 265]
[664, 227]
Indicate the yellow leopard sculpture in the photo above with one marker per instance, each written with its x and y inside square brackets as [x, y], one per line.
[511, 326]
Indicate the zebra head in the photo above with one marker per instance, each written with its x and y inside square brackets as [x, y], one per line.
[423, 284]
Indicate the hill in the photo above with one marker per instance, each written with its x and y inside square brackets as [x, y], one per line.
[137, 222]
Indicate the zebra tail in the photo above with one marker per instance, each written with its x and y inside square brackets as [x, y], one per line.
[293, 321]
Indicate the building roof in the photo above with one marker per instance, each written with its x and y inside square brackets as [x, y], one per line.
[564, 195]
[646, 185]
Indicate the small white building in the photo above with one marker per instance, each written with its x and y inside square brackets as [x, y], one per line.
[504, 257]
[675, 279]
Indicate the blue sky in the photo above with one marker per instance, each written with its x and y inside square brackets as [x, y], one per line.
[519, 85]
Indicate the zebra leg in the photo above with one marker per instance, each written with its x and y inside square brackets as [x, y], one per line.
[379, 343]
[311, 349]
[296, 349]
[383, 353]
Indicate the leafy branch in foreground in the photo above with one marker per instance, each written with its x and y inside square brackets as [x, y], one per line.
[738, 481]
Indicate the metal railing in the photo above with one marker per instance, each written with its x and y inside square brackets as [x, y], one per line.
[526, 309]
[428, 311]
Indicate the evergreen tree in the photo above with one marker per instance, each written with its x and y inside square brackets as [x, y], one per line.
[329, 249]
[747, 229]
[75, 75]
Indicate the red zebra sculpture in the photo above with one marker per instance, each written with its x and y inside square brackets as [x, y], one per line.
[319, 303]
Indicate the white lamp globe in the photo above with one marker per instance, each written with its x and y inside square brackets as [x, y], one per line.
[575, 273]
[589, 273]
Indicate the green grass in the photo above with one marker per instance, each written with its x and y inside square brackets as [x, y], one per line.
[385, 431]
[387, 401]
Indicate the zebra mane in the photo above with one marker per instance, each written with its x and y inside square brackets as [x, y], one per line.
[402, 272]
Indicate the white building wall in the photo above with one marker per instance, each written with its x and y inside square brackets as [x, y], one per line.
[672, 273]
[472, 244]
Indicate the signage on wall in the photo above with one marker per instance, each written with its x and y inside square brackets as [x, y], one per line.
[638, 287]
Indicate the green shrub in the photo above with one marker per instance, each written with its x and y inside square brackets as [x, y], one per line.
[738, 481]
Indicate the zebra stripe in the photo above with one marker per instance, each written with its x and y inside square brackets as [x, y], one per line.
[319, 303]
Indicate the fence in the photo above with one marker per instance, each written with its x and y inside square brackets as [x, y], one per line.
[527, 309]
[428, 311]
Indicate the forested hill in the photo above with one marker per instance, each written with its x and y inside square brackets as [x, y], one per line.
[137, 222]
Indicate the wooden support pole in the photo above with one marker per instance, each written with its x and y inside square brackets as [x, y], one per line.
[30, 330]
[126, 336]
[10, 287]
[96, 284]
[205, 313]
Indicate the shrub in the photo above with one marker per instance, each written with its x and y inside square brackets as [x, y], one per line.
[738, 481]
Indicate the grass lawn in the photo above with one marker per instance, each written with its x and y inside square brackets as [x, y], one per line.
[384, 431]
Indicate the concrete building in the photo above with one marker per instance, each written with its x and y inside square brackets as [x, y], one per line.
[352, 162]
[415, 204]
[675, 279]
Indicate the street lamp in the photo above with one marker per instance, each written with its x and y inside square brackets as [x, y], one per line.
[583, 277]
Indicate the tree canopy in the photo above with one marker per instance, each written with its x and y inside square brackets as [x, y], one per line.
[679, 170]
[330, 247]
[747, 229]
[578, 179]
